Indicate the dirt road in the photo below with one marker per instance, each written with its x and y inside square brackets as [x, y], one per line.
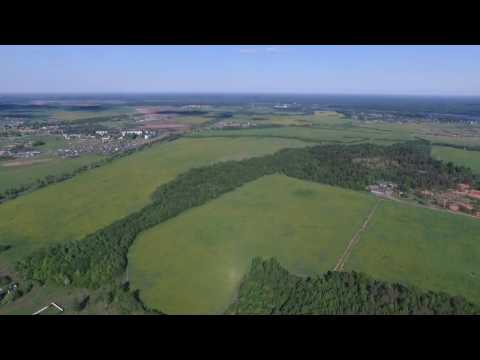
[341, 262]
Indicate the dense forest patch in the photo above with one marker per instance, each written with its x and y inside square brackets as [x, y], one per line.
[269, 289]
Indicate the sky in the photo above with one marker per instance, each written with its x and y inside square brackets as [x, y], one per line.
[403, 70]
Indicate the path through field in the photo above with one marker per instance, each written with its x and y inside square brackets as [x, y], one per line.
[343, 259]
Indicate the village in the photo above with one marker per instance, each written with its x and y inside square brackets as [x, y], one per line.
[233, 125]
[18, 144]
[462, 199]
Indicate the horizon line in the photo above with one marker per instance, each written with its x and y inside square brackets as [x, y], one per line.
[232, 93]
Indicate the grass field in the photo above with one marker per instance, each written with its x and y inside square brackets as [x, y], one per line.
[17, 172]
[23, 172]
[458, 156]
[343, 132]
[191, 120]
[91, 200]
[430, 249]
[194, 262]
[79, 115]
[333, 127]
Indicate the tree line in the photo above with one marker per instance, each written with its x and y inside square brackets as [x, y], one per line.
[269, 289]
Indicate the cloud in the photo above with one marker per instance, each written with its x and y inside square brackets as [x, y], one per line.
[248, 51]
[256, 50]
[273, 49]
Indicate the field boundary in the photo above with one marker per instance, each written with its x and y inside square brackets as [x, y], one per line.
[354, 240]
[306, 140]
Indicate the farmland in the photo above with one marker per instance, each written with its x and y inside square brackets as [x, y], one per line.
[329, 126]
[316, 135]
[458, 156]
[22, 172]
[112, 191]
[433, 250]
[297, 222]
[72, 116]
[194, 262]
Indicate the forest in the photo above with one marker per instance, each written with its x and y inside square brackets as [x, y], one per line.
[101, 257]
[269, 289]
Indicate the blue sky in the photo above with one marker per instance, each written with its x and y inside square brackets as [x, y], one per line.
[424, 70]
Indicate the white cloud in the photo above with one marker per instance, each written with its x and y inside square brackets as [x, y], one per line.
[273, 49]
[256, 50]
[248, 51]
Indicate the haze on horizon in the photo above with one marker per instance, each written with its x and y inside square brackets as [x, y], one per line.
[380, 70]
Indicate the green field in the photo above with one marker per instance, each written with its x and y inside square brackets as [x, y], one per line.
[458, 156]
[94, 199]
[319, 133]
[325, 118]
[433, 250]
[193, 263]
[15, 173]
[66, 115]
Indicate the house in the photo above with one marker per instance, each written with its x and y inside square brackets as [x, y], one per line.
[465, 207]
[426, 193]
[474, 194]
[453, 207]
[463, 187]
[132, 132]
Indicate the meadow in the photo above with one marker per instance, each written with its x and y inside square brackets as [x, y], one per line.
[193, 263]
[458, 156]
[71, 209]
[23, 172]
[325, 126]
[330, 128]
[432, 250]
[74, 115]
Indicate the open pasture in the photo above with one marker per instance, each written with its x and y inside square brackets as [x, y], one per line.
[458, 156]
[71, 209]
[316, 134]
[193, 263]
[14, 173]
[433, 250]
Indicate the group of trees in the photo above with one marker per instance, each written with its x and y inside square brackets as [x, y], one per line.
[110, 299]
[270, 289]
[38, 143]
[102, 256]
[408, 164]
[4, 247]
